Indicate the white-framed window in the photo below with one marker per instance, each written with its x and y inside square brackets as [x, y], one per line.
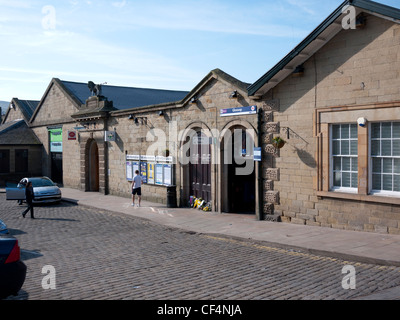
[385, 158]
[344, 157]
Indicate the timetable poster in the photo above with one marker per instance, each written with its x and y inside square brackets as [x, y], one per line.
[143, 171]
[150, 173]
[159, 174]
[167, 174]
[129, 172]
[135, 166]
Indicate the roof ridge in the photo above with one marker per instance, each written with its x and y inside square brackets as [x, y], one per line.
[125, 87]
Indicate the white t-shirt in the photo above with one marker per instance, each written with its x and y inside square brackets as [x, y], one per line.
[137, 182]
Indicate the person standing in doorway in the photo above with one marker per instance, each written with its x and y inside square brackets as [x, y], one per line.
[137, 188]
[29, 199]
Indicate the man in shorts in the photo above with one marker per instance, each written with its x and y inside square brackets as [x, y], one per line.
[137, 188]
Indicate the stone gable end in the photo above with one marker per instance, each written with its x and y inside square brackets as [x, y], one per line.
[14, 114]
[55, 108]
[357, 68]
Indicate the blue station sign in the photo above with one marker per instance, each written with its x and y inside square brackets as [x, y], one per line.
[238, 111]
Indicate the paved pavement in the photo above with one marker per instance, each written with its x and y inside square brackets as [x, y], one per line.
[349, 245]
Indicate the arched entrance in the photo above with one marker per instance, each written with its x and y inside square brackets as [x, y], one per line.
[200, 166]
[238, 172]
[93, 166]
[196, 160]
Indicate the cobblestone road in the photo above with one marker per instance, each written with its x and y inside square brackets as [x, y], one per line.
[103, 255]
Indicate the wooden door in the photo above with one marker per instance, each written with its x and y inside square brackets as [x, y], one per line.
[94, 167]
[200, 167]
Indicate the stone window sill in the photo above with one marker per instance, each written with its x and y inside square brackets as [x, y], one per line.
[359, 197]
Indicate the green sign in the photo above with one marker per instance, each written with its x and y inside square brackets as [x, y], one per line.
[55, 140]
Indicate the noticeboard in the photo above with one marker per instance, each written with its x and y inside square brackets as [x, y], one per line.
[143, 171]
[159, 174]
[129, 171]
[150, 173]
[167, 173]
[135, 166]
[154, 170]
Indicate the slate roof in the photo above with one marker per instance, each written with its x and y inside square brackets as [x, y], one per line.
[17, 133]
[318, 38]
[126, 97]
[27, 107]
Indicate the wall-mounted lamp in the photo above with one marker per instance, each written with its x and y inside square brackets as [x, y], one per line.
[234, 95]
[12, 106]
[136, 119]
[193, 100]
[160, 113]
[299, 71]
[362, 122]
[361, 21]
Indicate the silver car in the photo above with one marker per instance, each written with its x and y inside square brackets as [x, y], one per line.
[44, 190]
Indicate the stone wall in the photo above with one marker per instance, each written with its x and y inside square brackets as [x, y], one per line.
[56, 110]
[142, 138]
[356, 68]
[14, 114]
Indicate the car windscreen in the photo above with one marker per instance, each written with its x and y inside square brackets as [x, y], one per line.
[38, 182]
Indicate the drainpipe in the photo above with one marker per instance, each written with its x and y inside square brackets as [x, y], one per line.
[106, 157]
[260, 179]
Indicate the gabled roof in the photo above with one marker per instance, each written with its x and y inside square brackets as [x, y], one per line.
[316, 40]
[126, 97]
[122, 97]
[27, 107]
[219, 75]
[17, 133]
[216, 74]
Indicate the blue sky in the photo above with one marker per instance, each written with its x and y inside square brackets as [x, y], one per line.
[154, 44]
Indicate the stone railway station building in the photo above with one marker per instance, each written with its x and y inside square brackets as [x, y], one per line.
[334, 100]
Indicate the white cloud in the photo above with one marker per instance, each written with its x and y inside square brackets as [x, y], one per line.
[120, 4]
[308, 6]
[15, 4]
[118, 41]
[211, 16]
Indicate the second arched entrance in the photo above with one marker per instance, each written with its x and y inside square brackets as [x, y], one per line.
[93, 166]
[238, 172]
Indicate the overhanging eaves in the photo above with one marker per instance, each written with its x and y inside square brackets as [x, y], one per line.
[315, 41]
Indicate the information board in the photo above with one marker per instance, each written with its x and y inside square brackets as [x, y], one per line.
[153, 170]
[238, 111]
[143, 171]
[135, 166]
[56, 144]
[150, 173]
[257, 154]
[167, 172]
[129, 172]
[159, 174]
